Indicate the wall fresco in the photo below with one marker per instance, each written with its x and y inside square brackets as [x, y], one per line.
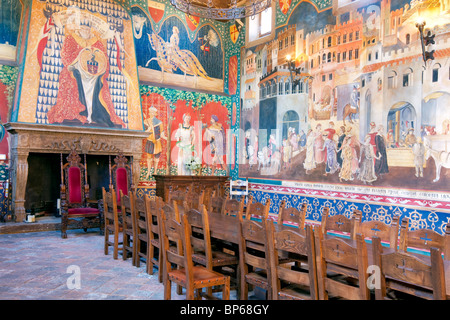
[178, 49]
[189, 134]
[362, 109]
[83, 55]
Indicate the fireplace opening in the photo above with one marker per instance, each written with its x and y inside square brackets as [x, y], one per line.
[44, 179]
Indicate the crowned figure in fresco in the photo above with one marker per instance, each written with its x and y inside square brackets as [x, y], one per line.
[83, 89]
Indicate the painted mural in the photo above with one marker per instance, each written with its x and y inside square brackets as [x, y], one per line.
[83, 55]
[178, 49]
[361, 111]
[188, 134]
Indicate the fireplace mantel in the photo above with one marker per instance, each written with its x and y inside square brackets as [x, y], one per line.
[40, 138]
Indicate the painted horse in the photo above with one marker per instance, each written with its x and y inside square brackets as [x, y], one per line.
[433, 146]
[170, 58]
[349, 111]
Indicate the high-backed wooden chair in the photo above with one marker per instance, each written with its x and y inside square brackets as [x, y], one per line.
[153, 221]
[257, 210]
[233, 207]
[216, 203]
[292, 215]
[338, 261]
[194, 199]
[113, 227]
[129, 231]
[424, 239]
[386, 232]
[120, 176]
[340, 224]
[254, 265]
[192, 277]
[142, 233]
[404, 272]
[204, 253]
[290, 282]
[177, 195]
[74, 193]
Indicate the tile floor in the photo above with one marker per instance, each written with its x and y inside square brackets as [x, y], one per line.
[42, 266]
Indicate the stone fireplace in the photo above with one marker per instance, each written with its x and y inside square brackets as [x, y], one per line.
[38, 138]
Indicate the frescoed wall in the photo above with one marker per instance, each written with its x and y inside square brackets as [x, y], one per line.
[188, 134]
[362, 118]
[83, 57]
[177, 49]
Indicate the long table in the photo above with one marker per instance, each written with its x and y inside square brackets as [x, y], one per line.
[226, 228]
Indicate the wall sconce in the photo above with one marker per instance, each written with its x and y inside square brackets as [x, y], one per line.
[425, 41]
[292, 69]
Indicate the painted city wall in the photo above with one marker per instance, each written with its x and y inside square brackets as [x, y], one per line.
[80, 66]
[362, 119]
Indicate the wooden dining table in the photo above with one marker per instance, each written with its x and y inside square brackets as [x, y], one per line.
[226, 228]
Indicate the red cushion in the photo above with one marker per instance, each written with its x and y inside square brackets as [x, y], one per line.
[121, 182]
[74, 185]
[83, 211]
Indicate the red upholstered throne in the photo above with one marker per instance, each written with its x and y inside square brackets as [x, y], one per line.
[120, 178]
[75, 209]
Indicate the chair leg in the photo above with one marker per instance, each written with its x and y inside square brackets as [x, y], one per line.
[226, 290]
[106, 242]
[150, 254]
[116, 246]
[167, 289]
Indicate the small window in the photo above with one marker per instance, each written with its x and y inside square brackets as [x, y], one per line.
[330, 76]
[392, 79]
[407, 78]
[356, 53]
[436, 73]
[350, 54]
[260, 28]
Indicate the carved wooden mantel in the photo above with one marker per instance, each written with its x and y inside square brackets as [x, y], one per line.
[39, 138]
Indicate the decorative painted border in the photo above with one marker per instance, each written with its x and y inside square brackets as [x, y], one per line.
[419, 217]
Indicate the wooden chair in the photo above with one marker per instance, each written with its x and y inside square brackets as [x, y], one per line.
[204, 253]
[113, 227]
[403, 272]
[292, 215]
[120, 176]
[288, 281]
[216, 203]
[74, 195]
[387, 233]
[129, 230]
[254, 265]
[424, 239]
[257, 210]
[340, 223]
[153, 220]
[342, 267]
[177, 195]
[193, 278]
[233, 207]
[142, 233]
[194, 199]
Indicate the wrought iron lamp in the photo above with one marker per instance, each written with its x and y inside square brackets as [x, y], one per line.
[425, 41]
[223, 9]
[292, 70]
